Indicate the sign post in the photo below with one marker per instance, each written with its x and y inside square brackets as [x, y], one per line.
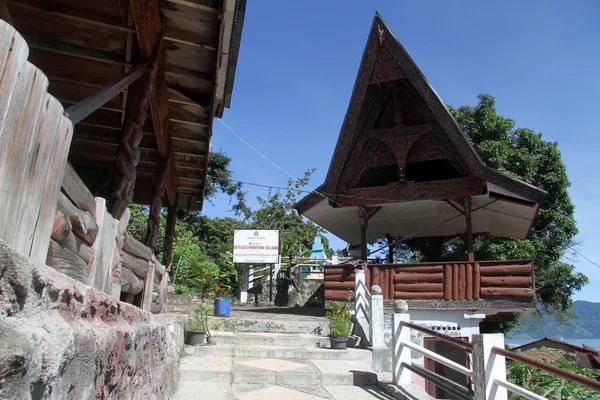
[255, 246]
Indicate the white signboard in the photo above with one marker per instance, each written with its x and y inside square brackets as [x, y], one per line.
[256, 246]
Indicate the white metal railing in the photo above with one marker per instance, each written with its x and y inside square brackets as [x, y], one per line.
[403, 367]
[488, 364]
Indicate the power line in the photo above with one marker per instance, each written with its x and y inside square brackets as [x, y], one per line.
[273, 163]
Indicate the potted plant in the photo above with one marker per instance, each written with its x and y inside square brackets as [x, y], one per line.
[339, 325]
[196, 325]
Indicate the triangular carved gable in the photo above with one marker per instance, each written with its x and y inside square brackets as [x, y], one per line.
[393, 105]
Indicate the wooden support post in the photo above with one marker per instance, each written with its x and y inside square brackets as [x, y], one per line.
[77, 112]
[170, 232]
[462, 282]
[448, 284]
[454, 281]
[128, 154]
[158, 188]
[363, 218]
[469, 295]
[390, 255]
[470, 251]
[476, 282]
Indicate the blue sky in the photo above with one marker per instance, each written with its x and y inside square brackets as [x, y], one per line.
[298, 62]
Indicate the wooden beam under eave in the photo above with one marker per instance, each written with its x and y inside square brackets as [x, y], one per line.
[150, 31]
[171, 181]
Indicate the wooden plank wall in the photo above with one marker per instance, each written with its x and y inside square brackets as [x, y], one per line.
[34, 144]
[437, 281]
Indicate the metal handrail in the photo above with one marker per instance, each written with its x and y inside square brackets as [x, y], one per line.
[518, 390]
[439, 358]
[570, 376]
[466, 346]
[453, 388]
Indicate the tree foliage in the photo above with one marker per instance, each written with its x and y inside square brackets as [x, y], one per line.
[548, 385]
[202, 258]
[525, 155]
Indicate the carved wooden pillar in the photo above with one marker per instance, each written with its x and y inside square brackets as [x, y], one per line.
[467, 208]
[128, 154]
[364, 251]
[158, 192]
[169, 233]
[390, 256]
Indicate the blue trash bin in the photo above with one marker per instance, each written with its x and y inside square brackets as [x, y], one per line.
[222, 307]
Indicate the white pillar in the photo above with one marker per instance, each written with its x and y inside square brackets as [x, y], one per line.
[361, 303]
[334, 260]
[495, 366]
[276, 269]
[401, 354]
[245, 281]
[376, 321]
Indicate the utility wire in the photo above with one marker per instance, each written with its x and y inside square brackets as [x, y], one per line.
[325, 196]
[273, 163]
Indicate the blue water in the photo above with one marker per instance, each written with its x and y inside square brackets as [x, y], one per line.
[595, 343]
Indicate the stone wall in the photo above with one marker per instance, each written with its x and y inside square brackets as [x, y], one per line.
[62, 339]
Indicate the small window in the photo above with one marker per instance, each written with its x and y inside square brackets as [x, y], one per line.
[378, 176]
[432, 170]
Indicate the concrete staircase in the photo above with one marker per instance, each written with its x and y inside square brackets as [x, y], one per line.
[293, 366]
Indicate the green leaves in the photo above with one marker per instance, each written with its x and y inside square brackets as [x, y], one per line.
[548, 385]
[523, 154]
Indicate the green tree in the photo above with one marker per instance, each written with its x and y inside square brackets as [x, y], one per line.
[277, 212]
[521, 153]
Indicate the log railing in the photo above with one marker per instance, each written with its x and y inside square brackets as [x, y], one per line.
[89, 245]
[462, 280]
[34, 143]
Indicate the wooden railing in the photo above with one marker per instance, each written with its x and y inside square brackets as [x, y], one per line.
[34, 144]
[89, 245]
[463, 280]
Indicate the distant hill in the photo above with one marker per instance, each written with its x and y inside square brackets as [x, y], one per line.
[587, 325]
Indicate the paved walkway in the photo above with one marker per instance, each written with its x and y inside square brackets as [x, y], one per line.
[248, 366]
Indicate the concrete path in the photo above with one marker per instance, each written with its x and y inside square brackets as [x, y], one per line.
[248, 366]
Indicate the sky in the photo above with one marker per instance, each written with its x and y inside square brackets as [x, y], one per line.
[298, 62]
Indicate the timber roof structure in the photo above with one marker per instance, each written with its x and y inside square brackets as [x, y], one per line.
[401, 154]
[83, 46]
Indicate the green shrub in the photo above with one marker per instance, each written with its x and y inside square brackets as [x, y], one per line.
[198, 319]
[548, 385]
[340, 319]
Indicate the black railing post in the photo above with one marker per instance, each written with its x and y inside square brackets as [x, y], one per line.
[271, 283]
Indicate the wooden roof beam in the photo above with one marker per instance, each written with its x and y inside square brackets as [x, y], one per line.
[49, 11]
[197, 4]
[150, 31]
[75, 51]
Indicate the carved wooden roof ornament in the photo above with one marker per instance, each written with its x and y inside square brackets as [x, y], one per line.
[400, 144]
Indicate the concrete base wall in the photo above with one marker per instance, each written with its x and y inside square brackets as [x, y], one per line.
[62, 339]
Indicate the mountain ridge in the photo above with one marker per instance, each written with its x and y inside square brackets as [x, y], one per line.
[586, 325]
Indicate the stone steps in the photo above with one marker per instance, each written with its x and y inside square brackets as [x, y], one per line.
[271, 339]
[275, 365]
[282, 352]
[289, 372]
[269, 324]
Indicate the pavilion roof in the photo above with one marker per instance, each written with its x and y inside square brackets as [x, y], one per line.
[401, 154]
[82, 46]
